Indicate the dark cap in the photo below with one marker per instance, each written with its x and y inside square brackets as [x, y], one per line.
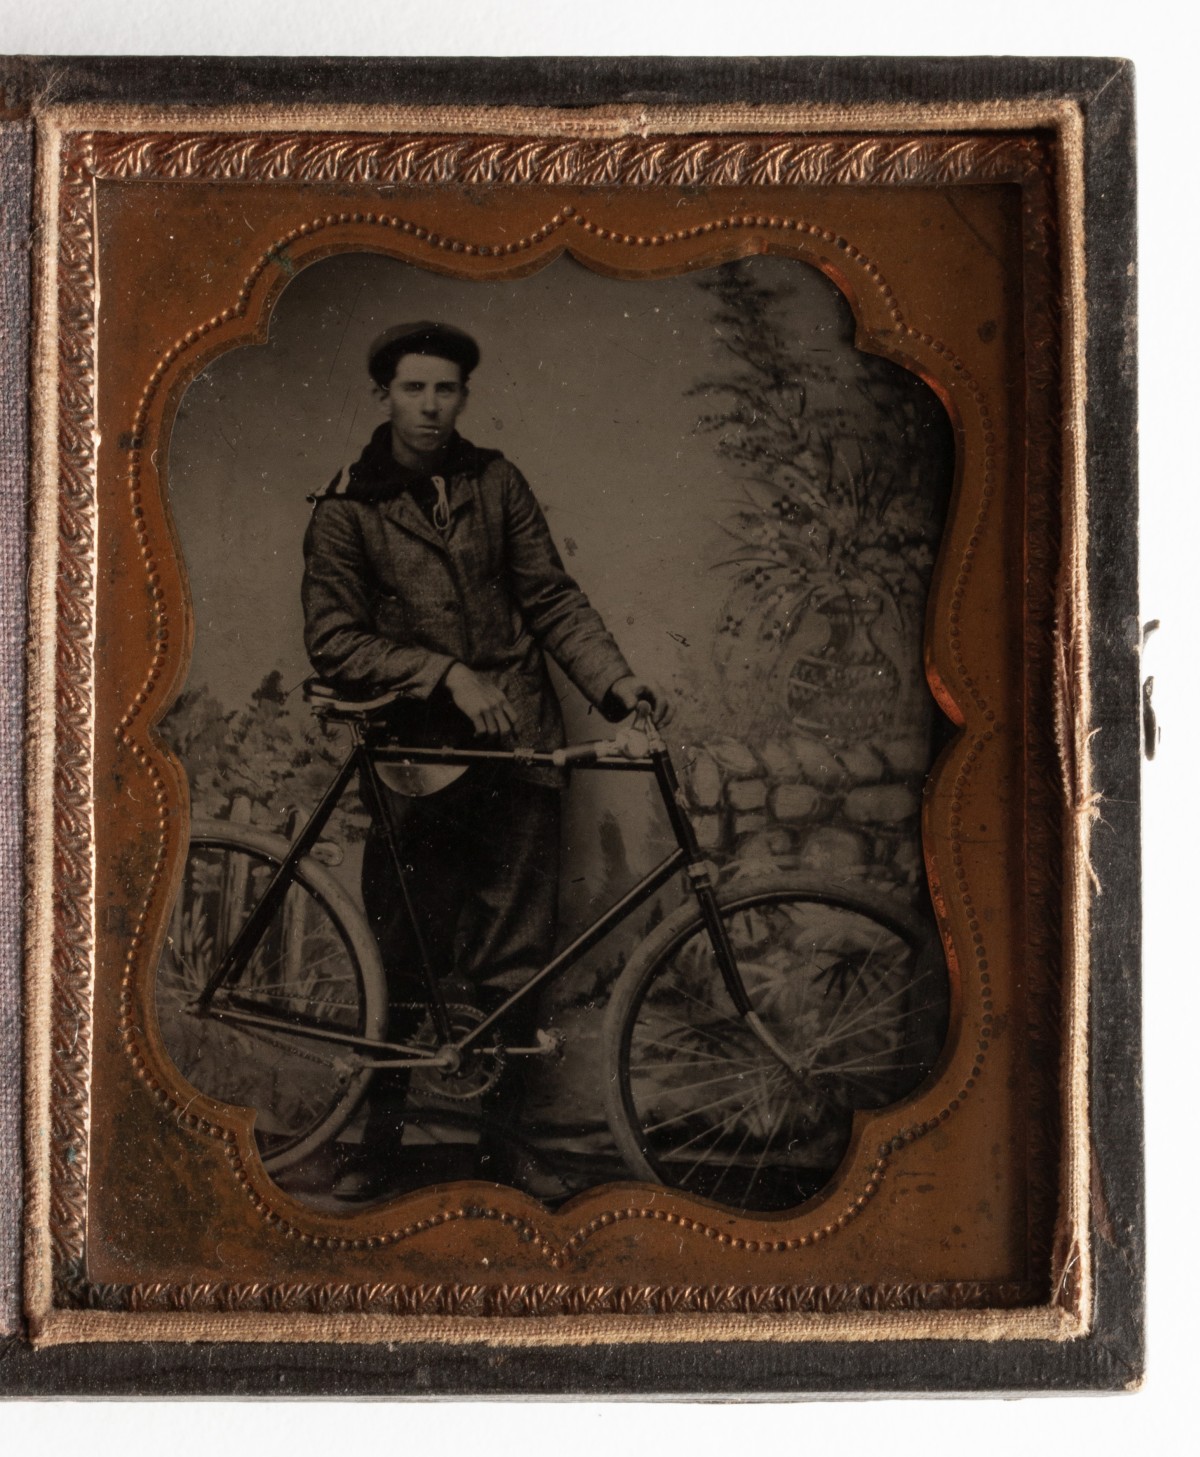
[443, 341]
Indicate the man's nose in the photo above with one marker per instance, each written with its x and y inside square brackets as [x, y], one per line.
[429, 404]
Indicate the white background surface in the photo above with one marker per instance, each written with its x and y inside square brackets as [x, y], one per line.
[1160, 40]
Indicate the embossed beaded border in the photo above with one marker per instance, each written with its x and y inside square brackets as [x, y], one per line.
[721, 160]
[556, 1254]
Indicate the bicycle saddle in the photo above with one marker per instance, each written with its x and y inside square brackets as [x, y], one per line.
[327, 700]
[411, 780]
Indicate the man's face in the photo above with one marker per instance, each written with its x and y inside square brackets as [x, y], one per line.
[425, 398]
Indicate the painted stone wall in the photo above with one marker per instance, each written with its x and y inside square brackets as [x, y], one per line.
[799, 803]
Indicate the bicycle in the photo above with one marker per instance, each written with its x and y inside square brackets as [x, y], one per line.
[753, 1020]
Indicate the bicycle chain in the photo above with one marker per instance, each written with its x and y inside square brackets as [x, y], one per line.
[282, 1044]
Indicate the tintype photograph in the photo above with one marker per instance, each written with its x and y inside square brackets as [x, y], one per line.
[680, 530]
[566, 653]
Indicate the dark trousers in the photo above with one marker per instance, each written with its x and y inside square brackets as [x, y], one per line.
[480, 861]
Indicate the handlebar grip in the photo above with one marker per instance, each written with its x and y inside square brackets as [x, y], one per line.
[579, 754]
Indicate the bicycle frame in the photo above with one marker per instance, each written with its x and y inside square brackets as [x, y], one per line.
[364, 759]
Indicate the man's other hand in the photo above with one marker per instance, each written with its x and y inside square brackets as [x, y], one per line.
[631, 691]
[483, 703]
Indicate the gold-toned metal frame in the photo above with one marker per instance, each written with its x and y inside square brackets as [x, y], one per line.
[76, 738]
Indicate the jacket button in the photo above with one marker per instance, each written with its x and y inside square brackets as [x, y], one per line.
[453, 607]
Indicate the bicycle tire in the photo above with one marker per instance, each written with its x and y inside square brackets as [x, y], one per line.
[317, 953]
[852, 985]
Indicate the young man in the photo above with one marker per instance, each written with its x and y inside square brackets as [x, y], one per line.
[429, 569]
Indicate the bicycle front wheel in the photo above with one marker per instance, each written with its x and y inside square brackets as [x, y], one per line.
[316, 964]
[851, 987]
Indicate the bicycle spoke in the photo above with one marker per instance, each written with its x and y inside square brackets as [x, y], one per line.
[671, 1064]
[706, 1006]
[303, 1003]
[683, 1054]
[678, 1089]
[846, 1069]
[692, 1030]
[758, 1166]
[691, 1113]
[737, 1067]
[873, 1008]
[840, 989]
[854, 1037]
[715, 1129]
[694, 1053]
[311, 973]
[304, 962]
[862, 971]
[716, 1188]
[705, 1152]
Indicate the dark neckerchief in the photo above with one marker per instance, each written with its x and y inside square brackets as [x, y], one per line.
[378, 476]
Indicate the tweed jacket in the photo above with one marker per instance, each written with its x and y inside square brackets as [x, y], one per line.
[391, 602]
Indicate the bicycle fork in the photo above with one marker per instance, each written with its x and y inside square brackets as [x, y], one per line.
[699, 872]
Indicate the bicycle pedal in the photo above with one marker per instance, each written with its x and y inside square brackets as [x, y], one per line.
[548, 1044]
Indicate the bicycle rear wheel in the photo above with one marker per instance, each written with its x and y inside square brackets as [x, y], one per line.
[851, 986]
[315, 960]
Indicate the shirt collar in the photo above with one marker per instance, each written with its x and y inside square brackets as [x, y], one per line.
[378, 476]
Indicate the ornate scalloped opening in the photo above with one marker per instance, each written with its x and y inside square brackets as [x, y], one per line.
[753, 505]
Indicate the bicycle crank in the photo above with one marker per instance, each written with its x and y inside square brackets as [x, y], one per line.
[459, 1076]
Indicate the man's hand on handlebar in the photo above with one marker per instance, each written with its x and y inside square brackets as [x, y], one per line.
[632, 691]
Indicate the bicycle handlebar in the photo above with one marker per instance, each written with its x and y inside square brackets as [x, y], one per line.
[620, 746]
[326, 700]
[580, 754]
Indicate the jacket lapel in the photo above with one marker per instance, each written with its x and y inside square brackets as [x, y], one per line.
[461, 493]
[403, 511]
